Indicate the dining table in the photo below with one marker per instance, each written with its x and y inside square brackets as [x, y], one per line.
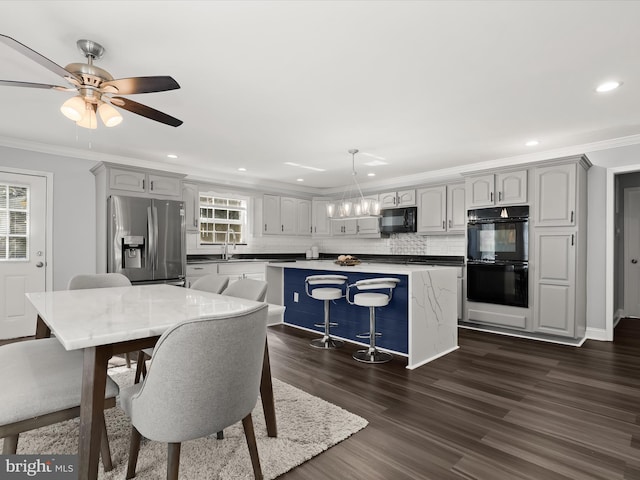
[104, 322]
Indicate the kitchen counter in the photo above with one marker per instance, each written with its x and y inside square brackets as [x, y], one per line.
[420, 323]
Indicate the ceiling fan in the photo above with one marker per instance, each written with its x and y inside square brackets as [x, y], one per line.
[96, 87]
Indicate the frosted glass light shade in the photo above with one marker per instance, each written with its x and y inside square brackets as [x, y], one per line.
[109, 115]
[89, 119]
[331, 210]
[73, 108]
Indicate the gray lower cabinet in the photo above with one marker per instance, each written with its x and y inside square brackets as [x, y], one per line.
[555, 282]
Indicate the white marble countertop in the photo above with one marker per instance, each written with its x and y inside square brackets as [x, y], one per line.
[91, 317]
[362, 267]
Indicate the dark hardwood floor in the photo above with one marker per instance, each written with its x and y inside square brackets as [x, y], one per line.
[497, 408]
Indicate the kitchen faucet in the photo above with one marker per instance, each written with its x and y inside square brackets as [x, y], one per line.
[225, 248]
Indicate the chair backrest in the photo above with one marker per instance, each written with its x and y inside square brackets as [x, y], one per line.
[324, 281]
[213, 283]
[248, 289]
[204, 376]
[383, 283]
[98, 280]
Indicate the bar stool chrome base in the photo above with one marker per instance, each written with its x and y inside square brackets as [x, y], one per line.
[328, 343]
[372, 356]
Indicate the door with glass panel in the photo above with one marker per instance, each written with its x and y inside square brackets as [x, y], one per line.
[22, 250]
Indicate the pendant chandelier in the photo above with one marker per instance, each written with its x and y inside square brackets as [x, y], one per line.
[353, 203]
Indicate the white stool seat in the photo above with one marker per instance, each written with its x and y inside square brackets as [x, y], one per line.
[325, 288]
[326, 293]
[371, 299]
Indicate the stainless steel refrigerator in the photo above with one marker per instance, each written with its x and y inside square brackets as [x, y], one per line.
[146, 239]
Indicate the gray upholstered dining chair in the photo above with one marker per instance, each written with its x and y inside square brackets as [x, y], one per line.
[248, 289]
[174, 404]
[213, 283]
[100, 280]
[42, 385]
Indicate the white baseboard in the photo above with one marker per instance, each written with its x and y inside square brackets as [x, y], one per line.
[597, 334]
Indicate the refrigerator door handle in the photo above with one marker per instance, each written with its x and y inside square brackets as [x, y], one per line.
[155, 238]
[151, 251]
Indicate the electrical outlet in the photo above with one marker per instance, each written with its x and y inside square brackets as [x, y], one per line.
[295, 297]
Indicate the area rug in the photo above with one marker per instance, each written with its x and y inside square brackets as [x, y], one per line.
[307, 426]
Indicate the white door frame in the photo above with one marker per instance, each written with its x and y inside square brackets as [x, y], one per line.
[48, 279]
[610, 244]
[629, 310]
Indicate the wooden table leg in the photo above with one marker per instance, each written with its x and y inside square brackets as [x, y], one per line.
[266, 393]
[42, 330]
[94, 379]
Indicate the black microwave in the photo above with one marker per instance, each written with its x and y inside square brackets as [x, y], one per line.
[398, 220]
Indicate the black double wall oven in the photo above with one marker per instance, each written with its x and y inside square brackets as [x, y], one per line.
[498, 255]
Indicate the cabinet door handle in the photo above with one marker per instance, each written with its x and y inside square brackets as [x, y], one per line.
[572, 239]
[443, 225]
[143, 183]
[571, 216]
[265, 227]
[449, 223]
[151, 185]
[492, 196]
[499, 196]
[282, 228]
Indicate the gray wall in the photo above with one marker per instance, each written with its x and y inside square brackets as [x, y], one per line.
[602, 160]
[74, 230]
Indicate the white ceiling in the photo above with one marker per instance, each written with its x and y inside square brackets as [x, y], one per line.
[425, 85]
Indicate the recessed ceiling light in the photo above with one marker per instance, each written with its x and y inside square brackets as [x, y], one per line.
[371, 174]
[299, 179]
[532, 143]
[242, 169]
[608, 86]
[172, 155]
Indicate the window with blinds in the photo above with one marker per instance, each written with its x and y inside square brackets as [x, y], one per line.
[14, 222]
[222, 219]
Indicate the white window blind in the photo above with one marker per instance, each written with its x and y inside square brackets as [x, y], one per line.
[14, 222]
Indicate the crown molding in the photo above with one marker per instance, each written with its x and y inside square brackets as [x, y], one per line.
[212, 177]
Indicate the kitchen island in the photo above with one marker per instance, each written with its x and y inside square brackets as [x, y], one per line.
[419, 323]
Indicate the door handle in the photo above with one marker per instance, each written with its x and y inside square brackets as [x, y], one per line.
[39, 264]
[634, 260]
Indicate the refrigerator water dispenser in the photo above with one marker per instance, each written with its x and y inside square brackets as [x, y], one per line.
[133, 252]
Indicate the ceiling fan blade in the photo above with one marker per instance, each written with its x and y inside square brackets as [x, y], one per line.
[11, 83]
[151, 113]
[36, 57]
[128, 86]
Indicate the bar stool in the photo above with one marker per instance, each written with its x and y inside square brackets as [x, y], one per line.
[372, 300]
[325, 288]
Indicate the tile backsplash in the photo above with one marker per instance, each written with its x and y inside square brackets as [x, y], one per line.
[397, 244]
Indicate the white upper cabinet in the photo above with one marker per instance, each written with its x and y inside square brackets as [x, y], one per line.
[303, 217]
[288, 216]
[191, 200]
[271, 214]
[555, 195]
[441, 209]
[456, 209]
[432, 209]
[320, 221]
[402, 198]
[285, 215]
[505, 188]
[142, 182]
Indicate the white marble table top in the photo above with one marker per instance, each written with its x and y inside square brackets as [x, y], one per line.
[91, 317]
[391, 268]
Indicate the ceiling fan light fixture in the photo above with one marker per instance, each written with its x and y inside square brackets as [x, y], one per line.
[89, 119]
[109, 115]
[73, 108]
